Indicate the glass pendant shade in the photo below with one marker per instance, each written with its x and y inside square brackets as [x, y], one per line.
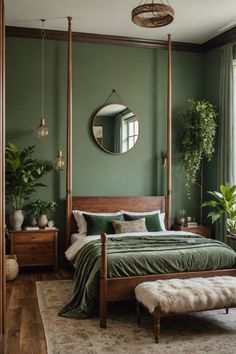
[59, 163]
[42, 130]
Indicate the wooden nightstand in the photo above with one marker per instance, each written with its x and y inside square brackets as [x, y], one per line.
[200, 230]
[35, 248]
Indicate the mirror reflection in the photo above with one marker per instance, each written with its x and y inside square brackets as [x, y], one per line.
[115, 128]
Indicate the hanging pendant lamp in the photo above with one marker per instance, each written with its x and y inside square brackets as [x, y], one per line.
[42, 130]
[151, 14]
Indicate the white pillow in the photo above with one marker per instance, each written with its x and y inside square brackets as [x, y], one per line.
[162, 215]
[81, 222]
[162, 221]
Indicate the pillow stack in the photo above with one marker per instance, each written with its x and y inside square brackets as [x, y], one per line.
[123, 221]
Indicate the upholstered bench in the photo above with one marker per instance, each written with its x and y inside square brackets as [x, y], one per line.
[179, 296]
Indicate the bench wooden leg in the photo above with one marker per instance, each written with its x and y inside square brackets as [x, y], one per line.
[227, 311]
[157, 324]
[138, 312]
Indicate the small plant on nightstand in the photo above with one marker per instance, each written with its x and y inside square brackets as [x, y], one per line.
[181, 217]
[41, 208]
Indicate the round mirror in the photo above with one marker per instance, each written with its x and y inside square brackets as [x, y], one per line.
[115, 128]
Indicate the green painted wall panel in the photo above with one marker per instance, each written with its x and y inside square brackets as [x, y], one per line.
[140, 77]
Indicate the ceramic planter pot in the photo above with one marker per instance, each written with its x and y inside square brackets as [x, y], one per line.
[182, 221]
[42, 221]
[17, 219]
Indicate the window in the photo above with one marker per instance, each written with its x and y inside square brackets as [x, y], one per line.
[130, 133]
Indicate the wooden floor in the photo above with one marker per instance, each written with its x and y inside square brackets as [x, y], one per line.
[25, 333]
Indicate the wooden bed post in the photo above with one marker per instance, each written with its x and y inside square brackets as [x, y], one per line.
[2, 183]
[69, 138]
[103, 284]
[169, 137]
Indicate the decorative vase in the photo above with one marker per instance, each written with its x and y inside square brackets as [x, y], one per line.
[12, 268]
[42, 221]
[17, 219]
[34, 222]
[181, 221]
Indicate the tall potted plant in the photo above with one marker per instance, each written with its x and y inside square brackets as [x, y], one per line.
[224, 203]
[197, 142]
[22, 175]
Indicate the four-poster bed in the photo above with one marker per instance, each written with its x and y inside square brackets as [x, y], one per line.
[120, 288]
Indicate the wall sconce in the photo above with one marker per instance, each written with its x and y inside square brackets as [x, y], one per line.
[59, 163]
[164, 158]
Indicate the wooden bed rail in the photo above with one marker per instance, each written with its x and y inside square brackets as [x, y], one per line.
[103, 284]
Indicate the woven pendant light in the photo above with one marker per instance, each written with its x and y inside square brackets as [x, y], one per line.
[151, 14]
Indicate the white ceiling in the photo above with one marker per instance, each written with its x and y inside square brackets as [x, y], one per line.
[196, 21]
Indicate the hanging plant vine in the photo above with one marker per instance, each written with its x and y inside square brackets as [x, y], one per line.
[198, 141]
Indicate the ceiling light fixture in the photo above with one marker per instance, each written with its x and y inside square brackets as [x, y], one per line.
[151, 14]
[42, 130]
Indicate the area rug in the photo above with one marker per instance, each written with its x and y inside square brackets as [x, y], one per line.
[205, 332]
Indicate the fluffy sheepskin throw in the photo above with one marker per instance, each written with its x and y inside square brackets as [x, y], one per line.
[187, 295]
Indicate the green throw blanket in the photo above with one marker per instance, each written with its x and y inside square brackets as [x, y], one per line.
[140, 255]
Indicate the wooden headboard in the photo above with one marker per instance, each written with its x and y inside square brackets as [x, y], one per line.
[112, 204]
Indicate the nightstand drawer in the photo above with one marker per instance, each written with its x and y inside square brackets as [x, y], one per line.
[20, 238]
[28, 259]
[203, 231]
[199, 230]
[34, 247]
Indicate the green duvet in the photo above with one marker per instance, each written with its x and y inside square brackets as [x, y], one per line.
[139, 255]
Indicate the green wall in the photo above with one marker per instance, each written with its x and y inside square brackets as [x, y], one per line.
[140, 77]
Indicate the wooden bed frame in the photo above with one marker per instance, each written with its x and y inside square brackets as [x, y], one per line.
[115, 289]
[122, 288]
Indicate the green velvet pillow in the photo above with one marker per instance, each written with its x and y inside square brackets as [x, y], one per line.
[97, 224]
[153, 222]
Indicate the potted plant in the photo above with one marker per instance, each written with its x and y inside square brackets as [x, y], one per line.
[224, 203]
[41, 208]
[198, 141]
[181, 217]
[22, 175]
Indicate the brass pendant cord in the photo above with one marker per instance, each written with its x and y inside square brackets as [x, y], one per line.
[169, 135]
[42, 73]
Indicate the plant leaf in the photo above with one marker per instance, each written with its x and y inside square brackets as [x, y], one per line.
[215, 215]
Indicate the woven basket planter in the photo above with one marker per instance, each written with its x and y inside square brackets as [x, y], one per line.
[12, 268]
